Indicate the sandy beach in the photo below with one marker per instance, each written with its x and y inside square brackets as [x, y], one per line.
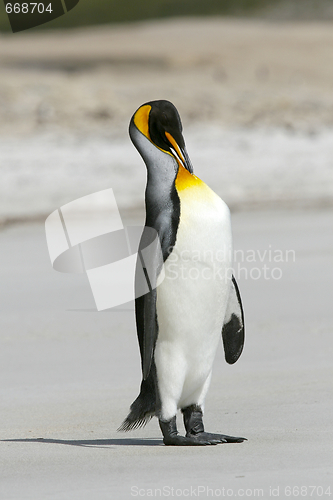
[68, 375]
[256, 100]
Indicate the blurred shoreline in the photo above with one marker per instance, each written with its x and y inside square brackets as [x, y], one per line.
[232, 72]
[255, 98]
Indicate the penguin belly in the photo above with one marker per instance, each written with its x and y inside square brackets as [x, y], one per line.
[191, 300]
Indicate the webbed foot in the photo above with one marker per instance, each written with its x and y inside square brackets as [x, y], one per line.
[220, 438]
[172, 438]
[195, 428]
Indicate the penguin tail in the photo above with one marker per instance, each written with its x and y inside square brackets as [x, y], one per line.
[142, 410]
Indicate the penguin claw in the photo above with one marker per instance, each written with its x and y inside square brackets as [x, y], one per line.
[188, 441]
[218, 438]
[233, 439]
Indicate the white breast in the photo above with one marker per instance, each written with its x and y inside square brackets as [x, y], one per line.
[191, 301]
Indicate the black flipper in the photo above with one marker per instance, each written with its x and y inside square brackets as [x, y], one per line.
[162, 214]
[152, 253]
[149, 268]
[233, 330]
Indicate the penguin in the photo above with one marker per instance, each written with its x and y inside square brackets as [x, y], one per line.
[180, 322]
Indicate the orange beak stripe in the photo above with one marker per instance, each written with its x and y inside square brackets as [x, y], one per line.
[175, 146]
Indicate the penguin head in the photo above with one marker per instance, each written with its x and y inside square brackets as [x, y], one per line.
[160, 123]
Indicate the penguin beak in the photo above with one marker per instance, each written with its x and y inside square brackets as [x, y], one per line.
[187, 162]
[180, 153]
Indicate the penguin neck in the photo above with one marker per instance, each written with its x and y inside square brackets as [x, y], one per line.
[186, 180]
[162, 169]
[161, 194]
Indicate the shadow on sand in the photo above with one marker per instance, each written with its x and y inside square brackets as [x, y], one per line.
[91, 443]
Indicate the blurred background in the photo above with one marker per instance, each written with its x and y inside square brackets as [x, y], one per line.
[253, 83]
[252, 80]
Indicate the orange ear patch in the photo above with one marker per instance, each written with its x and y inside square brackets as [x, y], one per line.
[141, 120]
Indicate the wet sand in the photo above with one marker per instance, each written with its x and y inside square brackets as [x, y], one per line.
[234, 72]
[255, 98]
[256, 102]
[68, 375]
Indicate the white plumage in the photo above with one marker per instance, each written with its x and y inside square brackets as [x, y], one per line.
[192, 300]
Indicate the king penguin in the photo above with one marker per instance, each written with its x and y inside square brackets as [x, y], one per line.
[180, 322]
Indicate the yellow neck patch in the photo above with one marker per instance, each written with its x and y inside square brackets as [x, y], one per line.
[185, 180]
[141, 118]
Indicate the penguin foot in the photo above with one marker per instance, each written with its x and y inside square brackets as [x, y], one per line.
[219, 438]
[187, 441]
[171, 437]
[195, 429]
